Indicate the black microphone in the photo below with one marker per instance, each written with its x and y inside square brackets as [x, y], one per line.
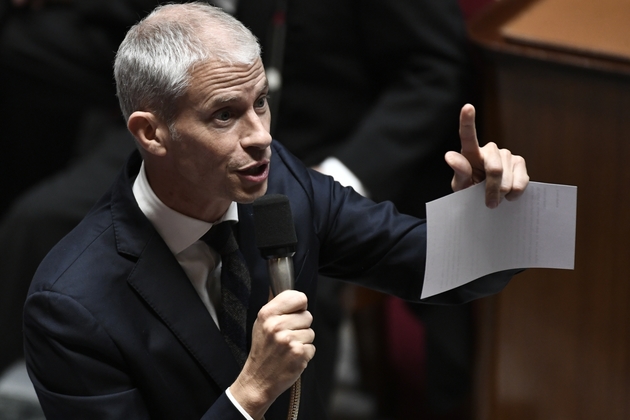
[276, 239]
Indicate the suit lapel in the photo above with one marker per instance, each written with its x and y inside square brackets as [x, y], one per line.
[162, 283]
[164, 286]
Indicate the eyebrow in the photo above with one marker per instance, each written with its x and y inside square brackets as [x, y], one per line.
[223, 100]
[220, 100]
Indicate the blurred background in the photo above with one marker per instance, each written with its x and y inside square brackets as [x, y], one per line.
[550, 80]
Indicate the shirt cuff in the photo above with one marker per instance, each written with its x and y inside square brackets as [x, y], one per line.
[237, 405]
[340, 172]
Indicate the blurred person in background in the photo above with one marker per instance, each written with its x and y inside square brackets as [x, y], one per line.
[63, 134]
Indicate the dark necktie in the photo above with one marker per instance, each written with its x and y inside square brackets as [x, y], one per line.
[235, 289]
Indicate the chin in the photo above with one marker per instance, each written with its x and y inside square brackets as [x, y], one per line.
[248, 196]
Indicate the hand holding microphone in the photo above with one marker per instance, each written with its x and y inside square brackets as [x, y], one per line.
[282, 338]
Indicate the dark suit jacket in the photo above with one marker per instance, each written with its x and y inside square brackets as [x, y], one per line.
[115, 330]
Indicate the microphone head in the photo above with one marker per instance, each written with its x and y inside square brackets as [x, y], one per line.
[273, 226]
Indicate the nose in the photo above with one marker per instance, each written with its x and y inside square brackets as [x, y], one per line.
[257, 132]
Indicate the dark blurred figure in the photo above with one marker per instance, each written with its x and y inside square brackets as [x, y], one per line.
[59, 111]
[375, 85]
[55, 66]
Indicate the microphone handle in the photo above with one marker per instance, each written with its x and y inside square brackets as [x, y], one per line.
[281, 274]
[282, 278]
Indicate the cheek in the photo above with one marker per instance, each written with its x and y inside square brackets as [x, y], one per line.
[266, 120]
[206, 152]
[203, 148]
[194, 160]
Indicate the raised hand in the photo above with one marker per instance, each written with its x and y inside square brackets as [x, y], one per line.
[505, 174]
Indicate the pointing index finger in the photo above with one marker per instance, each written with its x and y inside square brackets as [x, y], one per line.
[468, 131]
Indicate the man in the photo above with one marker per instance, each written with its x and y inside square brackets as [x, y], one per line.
[121, 318]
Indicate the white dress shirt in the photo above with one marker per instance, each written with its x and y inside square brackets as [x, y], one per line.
[181, 233]
[340, 172]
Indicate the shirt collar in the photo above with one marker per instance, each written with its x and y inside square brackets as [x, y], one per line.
[178, 230]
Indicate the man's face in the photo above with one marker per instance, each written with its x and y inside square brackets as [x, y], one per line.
[222, 150]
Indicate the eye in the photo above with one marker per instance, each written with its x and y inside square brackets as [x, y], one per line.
[262, 101]
[223, 115]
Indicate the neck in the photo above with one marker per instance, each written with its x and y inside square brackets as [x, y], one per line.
[193, 204]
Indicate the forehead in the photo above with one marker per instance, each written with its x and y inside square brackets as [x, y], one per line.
[218, 81]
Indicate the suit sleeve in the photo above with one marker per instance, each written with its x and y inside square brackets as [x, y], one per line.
[387, 249]
[369, 243]
[78, 371]
[417, 50]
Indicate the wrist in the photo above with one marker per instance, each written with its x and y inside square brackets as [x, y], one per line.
[250, 397]
[241, 410]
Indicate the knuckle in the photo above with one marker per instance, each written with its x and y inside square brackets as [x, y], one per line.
[263, 313]
[504, 189]
[297, 350]
[494, 171]
[296, 298]
[302, 299]
[270, 328]
[283, 337]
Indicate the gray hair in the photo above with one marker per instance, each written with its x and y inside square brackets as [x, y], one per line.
[154, 62]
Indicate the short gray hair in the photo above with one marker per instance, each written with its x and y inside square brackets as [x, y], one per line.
[154, 62]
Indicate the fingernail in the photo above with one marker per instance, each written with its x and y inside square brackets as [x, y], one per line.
[493, 204]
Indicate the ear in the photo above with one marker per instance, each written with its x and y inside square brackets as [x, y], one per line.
[150, 132]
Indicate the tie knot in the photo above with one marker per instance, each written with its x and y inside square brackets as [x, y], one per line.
[221, 238]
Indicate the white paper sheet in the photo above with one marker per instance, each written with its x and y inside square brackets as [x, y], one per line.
[466, 240]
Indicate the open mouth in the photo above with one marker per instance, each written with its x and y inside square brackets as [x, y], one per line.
[255, 170]
[256, 173]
